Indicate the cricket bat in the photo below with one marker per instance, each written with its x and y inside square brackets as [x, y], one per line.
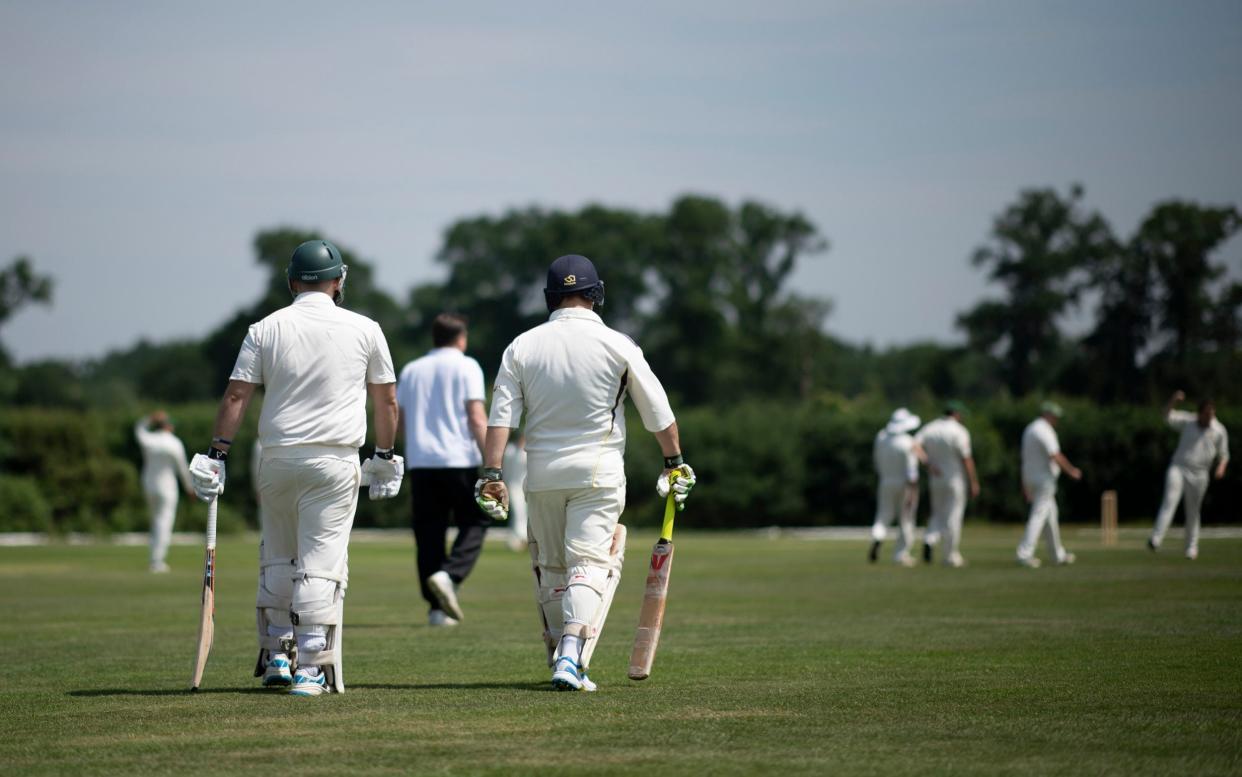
[207, 615]
[651, 617]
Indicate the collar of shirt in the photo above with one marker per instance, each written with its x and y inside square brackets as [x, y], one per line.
[582, 313]
[443, 350]
[313, 298]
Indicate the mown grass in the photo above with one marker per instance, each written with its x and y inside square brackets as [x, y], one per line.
[780, 656]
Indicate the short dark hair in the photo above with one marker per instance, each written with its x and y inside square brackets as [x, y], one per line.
[1204, 404]
[446, 328]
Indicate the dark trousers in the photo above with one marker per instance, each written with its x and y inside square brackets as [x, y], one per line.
[437, 496]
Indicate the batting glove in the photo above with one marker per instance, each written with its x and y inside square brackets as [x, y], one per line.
[680, 486]
[492, 497]
[207, 475]
[384, 476]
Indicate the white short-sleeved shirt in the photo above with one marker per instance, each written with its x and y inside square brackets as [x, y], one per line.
[163, 460]
[1198, 448]
[570, 376]
[894, 457]
[1039, 445]
[433, 391]
[947, 444]
[314, 360]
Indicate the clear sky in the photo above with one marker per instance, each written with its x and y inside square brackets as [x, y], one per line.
[142, 144]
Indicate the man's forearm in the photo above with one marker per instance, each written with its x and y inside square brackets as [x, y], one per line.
[476, 419]
[384, 397]
[494, 446]
[231, 412]
[670, 442]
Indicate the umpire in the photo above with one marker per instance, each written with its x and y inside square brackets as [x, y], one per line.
[441, 398]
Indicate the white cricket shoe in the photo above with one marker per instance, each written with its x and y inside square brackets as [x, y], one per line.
[440, 618]
[1067, 559]
[956, 561]
[277, 673]
[587, 684]
[567, 675]
[306, 684]
[445, 591]
[906, 560]
[1029, 563]
[160, 568]
[1192, 553]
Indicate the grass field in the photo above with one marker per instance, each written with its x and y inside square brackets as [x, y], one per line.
[779, 656]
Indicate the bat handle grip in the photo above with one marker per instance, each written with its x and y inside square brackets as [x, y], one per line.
[212, 509]
[670, 511]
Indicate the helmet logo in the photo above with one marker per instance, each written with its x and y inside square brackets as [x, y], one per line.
[570, 280]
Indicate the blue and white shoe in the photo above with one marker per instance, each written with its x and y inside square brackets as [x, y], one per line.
[306, 684]
[277, 674]
[567, 675]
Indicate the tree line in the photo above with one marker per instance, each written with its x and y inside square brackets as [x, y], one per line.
[704, 287]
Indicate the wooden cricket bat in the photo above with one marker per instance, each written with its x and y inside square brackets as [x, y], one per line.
[651, 617]
[207, 615]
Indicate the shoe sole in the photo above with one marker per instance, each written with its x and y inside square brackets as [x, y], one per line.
[562, 682]
[277, 682]
[308, 690]
[447, 599]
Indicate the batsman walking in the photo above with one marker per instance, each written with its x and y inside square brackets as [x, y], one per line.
[317, 363]
[570, 376]
[951, 463]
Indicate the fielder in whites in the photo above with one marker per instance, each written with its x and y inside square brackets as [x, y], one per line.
[896, 456]
[952, 468]
[1042, 464]
[570, 377]
[1202, 452]
[163, 465]
[317, 363]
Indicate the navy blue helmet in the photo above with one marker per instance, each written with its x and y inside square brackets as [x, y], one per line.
[573, 274]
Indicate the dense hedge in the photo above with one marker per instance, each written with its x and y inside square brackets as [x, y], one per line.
[759, 464]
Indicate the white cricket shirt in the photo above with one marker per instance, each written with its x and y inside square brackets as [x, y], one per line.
[163, 460]
[894, 458]
[433, 391]
[947, 444]
[571, 376]
[1039, 444]
[314, 360]
[1198, 448]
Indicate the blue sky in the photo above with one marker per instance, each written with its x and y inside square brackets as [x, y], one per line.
[142, 145]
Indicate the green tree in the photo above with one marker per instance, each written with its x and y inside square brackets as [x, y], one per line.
[1042, 250]
[20, 286]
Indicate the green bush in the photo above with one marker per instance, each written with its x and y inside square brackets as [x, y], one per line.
[22, 506]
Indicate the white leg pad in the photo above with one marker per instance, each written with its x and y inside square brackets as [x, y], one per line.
[596, 626]
[549, 640]
[272, 605]
[319, 623]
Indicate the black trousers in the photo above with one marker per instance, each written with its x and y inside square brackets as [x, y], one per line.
[439, 495]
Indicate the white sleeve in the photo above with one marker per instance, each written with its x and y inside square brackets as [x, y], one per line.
[963, 445]
[249, 365]
[474, 381]
[379, 365]
[1178, 419]
[142, 433]
[1049, 438]
[649, 396]
[183, 468]
[912, 465]
[1222, 449]
[507, 402]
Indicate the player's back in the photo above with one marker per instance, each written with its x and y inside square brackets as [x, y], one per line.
[946, 442]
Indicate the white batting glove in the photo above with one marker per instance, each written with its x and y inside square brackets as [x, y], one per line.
[680, 487]
[384, 476]
[492, 497]
[207, 475]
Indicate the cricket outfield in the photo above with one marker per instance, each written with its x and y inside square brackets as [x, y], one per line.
[779, 655]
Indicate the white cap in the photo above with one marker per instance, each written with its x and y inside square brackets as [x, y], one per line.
[901, 421]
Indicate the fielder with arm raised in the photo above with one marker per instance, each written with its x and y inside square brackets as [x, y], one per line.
[951, 464]
[896, 457]
[317, 363]
[570, 376]
[1203, 443]
[163, 464]
[1042, 464]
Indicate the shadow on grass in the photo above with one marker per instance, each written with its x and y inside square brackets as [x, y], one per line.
[100, 692]
[536, 687]
[162, 692]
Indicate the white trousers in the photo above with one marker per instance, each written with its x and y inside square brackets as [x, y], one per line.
[948, 505]
[574, 528]
[308, 511]
[1189, 486]
[517, 511]
[162, 505]
[1044, 518]
[891, 503]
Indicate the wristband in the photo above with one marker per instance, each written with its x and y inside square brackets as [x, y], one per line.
[221, 441]
[674, 461]
[492, 474]
[383, 453]
[215, 454]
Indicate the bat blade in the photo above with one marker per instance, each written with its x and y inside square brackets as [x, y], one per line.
[207, 611]
[651, 617]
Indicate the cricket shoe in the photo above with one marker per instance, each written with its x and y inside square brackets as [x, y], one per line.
[306, 684]
[1151, 545]
[587, 684]
[955, 561]
[1192, 553]
[906, 560]
[568, 676]
[160, 568]
[1029, 563]
[440, 618]
[277, 673]
[874, 554]
[1066, 560]
[445, 591]
[927, 553]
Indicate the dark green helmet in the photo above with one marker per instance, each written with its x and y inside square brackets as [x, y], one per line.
[314, 261]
